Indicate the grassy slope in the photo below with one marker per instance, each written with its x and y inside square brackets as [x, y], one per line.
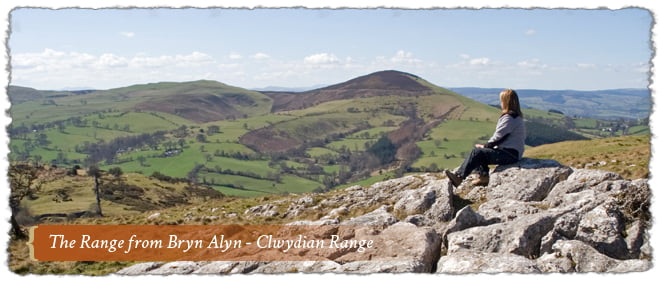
[79, 188]
[459, 131]
[80, 191]
[628, 156]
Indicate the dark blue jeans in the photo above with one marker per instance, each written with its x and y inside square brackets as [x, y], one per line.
[479, 159]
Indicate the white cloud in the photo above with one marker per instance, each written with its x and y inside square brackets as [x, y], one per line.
[53, 69]
[128, 34]
[313, 69]
[586, 66]
[402, 60]
[469, 70]
[532, 64]
[480, 61]
[228, 66]
[404, 57]
[235, 56]
[56, 61]
[530, 32]
[69, 68]
[30, 60]
[322, 58]
[190, 60]
[260, 56]
[110, 61]
[150, 62]
[642, 67]
[194, 59]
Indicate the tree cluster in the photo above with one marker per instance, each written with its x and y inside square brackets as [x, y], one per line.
[106, 151]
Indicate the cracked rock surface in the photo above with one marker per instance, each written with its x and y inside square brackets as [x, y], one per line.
[535, 216]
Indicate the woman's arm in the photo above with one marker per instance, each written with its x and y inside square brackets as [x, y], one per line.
[503, 128]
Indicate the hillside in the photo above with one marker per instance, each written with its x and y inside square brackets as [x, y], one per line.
[206, 101]
[384, 83]
[375, 100]
[18, 94]
[196, 101]
[65, 194]
[246, 143]
[628, 155]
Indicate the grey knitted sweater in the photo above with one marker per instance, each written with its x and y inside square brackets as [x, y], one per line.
[509, 134]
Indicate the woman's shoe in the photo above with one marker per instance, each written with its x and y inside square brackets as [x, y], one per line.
[481, 181]
[453, 177]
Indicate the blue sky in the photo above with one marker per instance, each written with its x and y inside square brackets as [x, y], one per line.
[503, 48]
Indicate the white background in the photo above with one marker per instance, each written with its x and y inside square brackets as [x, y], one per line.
[655, 122]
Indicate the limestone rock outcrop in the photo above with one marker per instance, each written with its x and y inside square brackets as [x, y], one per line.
[535, 216]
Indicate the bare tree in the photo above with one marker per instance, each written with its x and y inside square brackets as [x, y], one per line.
[24, 182]
[95, 172]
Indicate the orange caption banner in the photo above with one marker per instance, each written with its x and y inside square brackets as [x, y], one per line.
[209, 243]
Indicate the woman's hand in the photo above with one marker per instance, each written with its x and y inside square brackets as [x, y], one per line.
[478, 146]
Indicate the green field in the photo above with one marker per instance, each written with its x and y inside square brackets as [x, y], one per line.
[212, 147]
[235, 185]
[350, 144]
[639, 130]
[141, 122]
[318, 152]
[534, 113]
[373, 133]
[453, 137]
[587, 123]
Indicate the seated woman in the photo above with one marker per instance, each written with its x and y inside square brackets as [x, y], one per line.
[506, 146]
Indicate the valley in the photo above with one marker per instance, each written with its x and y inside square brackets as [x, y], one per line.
[248, 144]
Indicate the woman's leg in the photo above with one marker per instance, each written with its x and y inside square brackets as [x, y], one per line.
[480, 158]
[477, 160]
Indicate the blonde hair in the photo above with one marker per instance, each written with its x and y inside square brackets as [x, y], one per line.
[510, 103]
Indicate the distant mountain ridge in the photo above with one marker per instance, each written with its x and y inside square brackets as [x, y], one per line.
[20, 94]
[603, 104]
[199, 101]
[383, 83]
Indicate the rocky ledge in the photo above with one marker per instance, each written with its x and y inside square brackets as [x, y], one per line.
[535, 216]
